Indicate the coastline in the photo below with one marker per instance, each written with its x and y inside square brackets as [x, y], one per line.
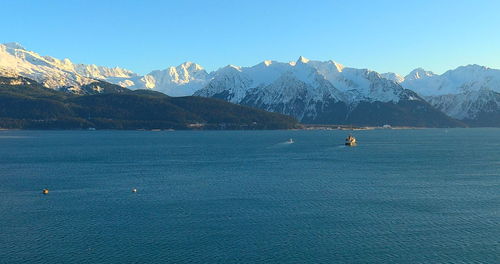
[349, 127]
[303, 127]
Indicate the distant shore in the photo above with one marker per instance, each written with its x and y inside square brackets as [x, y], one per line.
[303, 127]
[349, 127]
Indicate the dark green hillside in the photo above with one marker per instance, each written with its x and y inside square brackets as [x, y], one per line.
[216, 111]
[415, 113]
[24, 87]
[22, 98]
[404, 113]
[26, 104]
[485, 119]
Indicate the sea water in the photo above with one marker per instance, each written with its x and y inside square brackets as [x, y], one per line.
[400, 196]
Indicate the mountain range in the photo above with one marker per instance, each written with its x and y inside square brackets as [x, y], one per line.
[320, 92]
[24, 103]
[469, 93]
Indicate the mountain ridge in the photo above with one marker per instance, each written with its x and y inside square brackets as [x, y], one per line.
[469, 93]
[315, 91]
[26, 104]
[312, 85]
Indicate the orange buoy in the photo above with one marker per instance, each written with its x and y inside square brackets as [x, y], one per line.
[45, 191]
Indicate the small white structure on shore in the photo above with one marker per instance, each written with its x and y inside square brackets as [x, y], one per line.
[386, 126]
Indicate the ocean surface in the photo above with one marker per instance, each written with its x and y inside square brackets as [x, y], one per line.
[400, 196]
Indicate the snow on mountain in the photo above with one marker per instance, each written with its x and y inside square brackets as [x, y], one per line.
[393, 77]
[463, 93]
[468, 105]
[419, 74]
[52, 72]
[102, 73]
[460, 80]
[297, 93]
[182, 80]
[229, 80]
[305, 88]
[353, 84]
[348, 83]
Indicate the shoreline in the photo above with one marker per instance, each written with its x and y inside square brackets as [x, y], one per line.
[349, 127]
[304, 127]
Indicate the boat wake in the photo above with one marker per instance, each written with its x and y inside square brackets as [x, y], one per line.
[282, 144]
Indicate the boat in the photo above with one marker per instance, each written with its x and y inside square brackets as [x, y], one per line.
[350, 141]
[290, 141]
[45, 191]
[134, 190]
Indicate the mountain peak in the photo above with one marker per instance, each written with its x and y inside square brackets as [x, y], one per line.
[472, 67]
[393, 77]
[419, 73]
[14, 45]
[191, 66]
[229, 68]
[302, 59]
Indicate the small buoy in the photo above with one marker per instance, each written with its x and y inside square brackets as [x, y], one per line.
[45, 191]
[134, 190]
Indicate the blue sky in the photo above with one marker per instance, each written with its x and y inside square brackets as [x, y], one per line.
[145, 35]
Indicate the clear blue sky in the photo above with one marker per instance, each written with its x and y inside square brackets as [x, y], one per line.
[145, 35]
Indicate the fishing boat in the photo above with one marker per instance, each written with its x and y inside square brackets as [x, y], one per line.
[350, 141]
[290, 141]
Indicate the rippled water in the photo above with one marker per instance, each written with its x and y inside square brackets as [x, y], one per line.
[400, 196]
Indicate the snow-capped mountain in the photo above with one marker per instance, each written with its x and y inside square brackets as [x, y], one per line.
[63, 74]
[182, 80]
[52, 72]
[393, 77]
[321, 92]
[468, 93]
[460, 80]
[312, 91]
[322, 78]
